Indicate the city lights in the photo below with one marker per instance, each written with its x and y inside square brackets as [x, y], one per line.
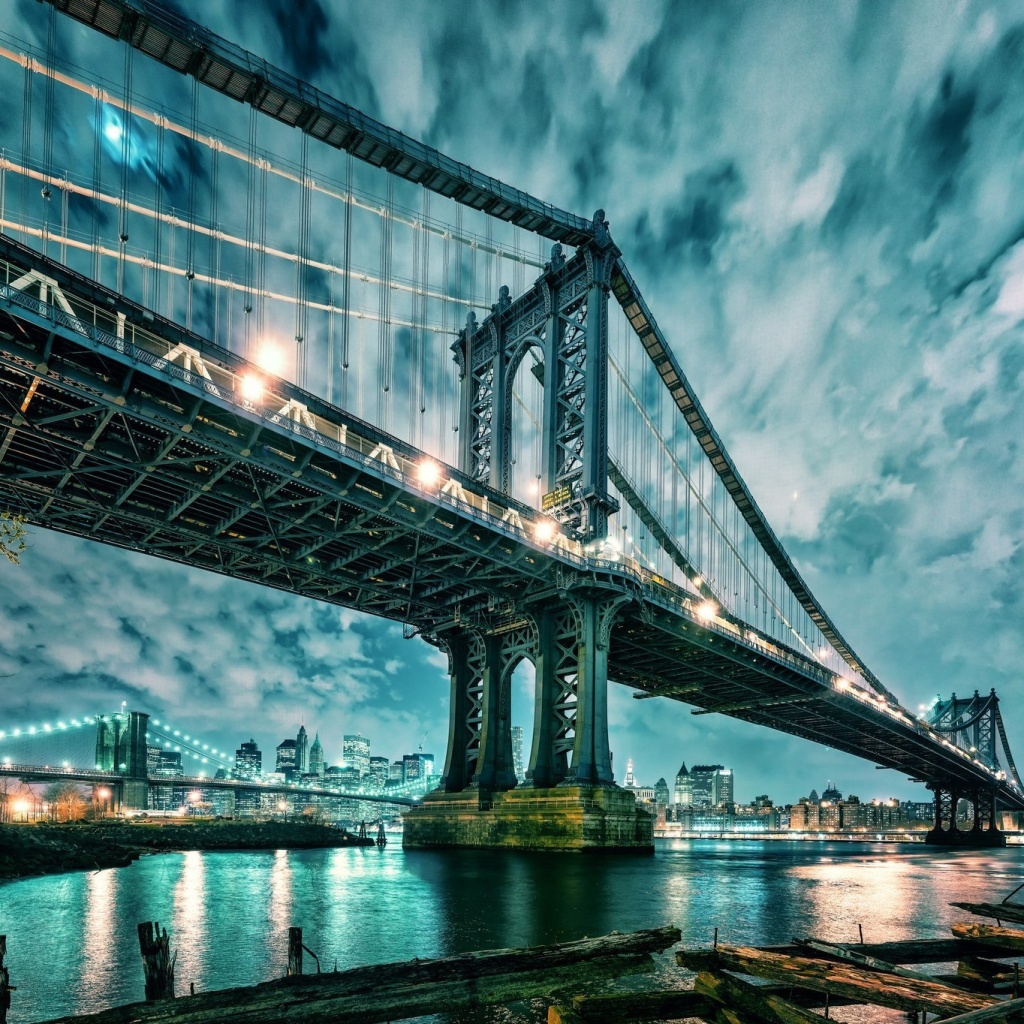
[707, 611]
[428, 473]
[544, 531]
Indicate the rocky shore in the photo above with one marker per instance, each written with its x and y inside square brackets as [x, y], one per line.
[44, 849]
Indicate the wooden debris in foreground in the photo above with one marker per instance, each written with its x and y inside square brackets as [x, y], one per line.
[732, 993]
[6, 988]
[390, 992]
[878, 987]
[1009, 939]
[855, 956]
[1008, 1010]
[611, 1008]
[999, 911]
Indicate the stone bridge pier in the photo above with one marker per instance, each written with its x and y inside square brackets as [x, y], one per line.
[570, 800]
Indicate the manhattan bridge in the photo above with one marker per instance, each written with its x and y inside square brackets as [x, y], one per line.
[248, 328]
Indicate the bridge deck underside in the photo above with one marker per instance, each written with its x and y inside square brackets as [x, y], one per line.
[111, 444]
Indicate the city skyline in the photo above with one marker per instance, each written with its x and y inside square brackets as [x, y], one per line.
[826, 231]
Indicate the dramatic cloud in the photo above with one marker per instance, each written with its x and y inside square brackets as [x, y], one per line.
[824, 205]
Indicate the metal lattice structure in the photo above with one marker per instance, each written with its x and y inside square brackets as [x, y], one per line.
[120, 425]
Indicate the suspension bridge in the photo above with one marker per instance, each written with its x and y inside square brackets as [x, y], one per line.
[425, 395]
[113, 753]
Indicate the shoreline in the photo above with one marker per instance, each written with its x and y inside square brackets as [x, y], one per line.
[29, 851]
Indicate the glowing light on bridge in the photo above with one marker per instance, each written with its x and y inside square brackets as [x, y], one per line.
[252, 387]
[707, 611]
[270, 357]
[544, 531]
[428, 473]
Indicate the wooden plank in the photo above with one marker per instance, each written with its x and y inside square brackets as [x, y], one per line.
[875, 987]
[385, 992]
[669, 1004]
[317, 1004]
[157, 962]
[999, 911]
[1010, 1010]
[977, 968]
[855, 956]
[1009, 939]
[736, 994]
[909, 951]
[6, 988]
[294, 951]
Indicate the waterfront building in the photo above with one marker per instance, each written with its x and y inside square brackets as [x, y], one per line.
[831, 794]
[168, 764]
[517, 754]
[418, 766]
[355, 753]
[661, 795]
[302, 751]
[379, 772]
[396, 773]
[248, 761]
[712, 785]
[683, 794]
[285, 763]
[317, 766]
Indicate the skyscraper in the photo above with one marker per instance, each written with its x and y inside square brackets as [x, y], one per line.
[316, 758]
[248, 761]
[379, 772]
[712, 785]
[683, 794]
[302, 751]
[517, 753]
[355, 752]
[285, 763]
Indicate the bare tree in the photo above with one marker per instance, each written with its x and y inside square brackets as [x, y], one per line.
[66, 800]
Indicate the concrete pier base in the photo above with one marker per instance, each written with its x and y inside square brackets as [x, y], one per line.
[573, 819]
[975, 837]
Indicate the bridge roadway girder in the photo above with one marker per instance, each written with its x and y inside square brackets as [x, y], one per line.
[245, 493]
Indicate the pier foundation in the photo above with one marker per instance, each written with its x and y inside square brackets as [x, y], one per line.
[574, 819]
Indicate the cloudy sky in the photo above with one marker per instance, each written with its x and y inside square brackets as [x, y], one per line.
[824, 207]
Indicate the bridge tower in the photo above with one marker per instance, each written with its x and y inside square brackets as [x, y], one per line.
[570, 798]
[973, 724]
[121, 746]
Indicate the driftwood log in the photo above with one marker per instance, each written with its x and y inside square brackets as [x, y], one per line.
[733, 993]
[1009, 939]
[876, 987]
[389, 992]
[999, 911]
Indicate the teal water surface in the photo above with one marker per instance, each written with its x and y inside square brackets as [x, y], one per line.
[72, 945]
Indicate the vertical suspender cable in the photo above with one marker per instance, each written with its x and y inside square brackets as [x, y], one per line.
[213, 257]
[346, 279]
[26, 145]
[384, 355]
[193, 157]
[302, 250]
[48, 126]
[250, 232]
[126, 151]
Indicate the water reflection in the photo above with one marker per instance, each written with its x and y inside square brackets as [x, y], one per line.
[100, 913]
[190, 921]
[229, 913]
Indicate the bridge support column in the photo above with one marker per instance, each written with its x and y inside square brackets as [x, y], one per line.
[465, 714]
[574, 809]
[985, 831]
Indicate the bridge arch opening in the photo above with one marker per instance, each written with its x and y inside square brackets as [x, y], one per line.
[526, 404]
[522, 678]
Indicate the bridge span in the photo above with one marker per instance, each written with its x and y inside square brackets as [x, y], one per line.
[121, 425]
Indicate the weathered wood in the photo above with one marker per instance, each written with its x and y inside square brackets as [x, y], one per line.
[999, 911]
[855, 956]
[909, 951]
[559, 1013]
[1009, 1010]
[157, 962]
[294, 951]
[739, 995]
[6, 988]
[669, 1004]
[1009, 939]
[387, 992]
[878, 987]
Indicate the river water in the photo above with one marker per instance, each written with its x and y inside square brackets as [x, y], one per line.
[72, 945]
